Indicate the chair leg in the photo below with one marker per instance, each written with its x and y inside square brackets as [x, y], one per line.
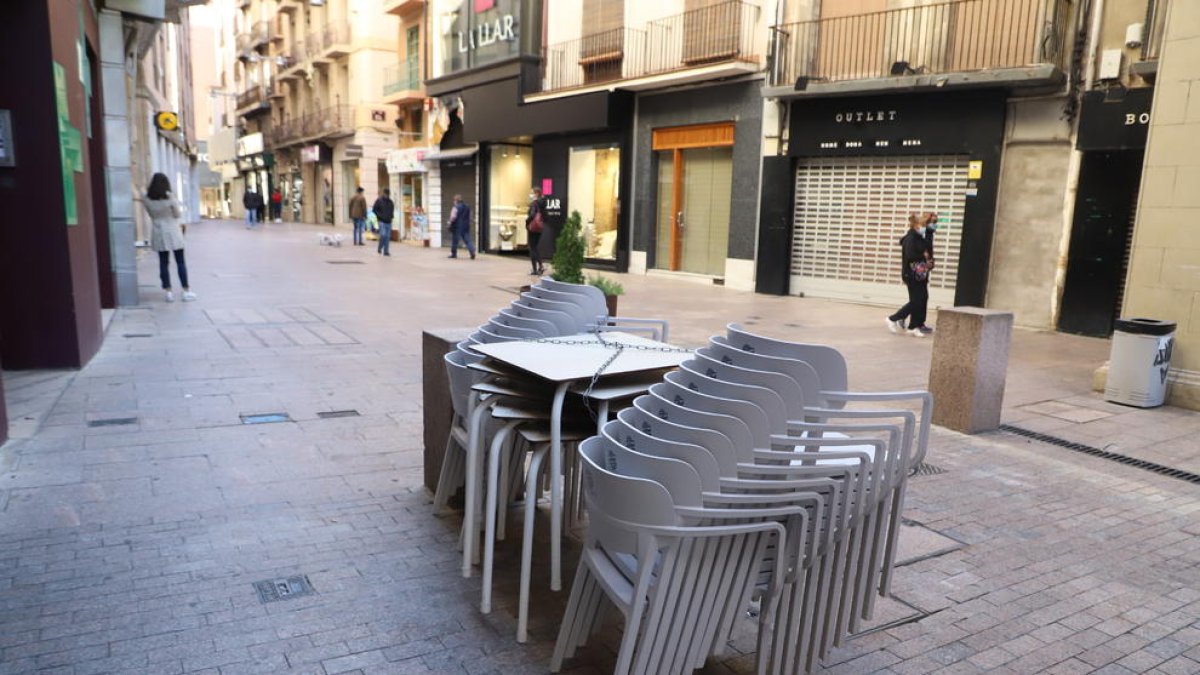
[448, 477]
[535, 465]
[489, 514]
[556, 486]
[470, 517]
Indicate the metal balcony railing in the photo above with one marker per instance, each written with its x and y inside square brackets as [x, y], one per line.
[403, 76]
[720, 33]
[242, 42]
[260, 33]
[1154, 29]
[336, 120]
[947, 37]
[336, 34]
[254, 95]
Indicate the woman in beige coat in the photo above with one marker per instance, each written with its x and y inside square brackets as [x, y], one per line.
[166, 234]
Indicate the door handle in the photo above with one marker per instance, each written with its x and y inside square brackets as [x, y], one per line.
[679, 220]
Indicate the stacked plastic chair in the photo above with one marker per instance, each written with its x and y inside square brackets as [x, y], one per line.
[752, 425]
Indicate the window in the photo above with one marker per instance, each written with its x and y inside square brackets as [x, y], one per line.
[594, 191]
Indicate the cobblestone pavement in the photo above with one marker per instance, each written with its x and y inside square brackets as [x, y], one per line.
[134, 547]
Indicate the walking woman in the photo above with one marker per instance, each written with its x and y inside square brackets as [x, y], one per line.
[916, 252]
[166, 234]
[535, 222]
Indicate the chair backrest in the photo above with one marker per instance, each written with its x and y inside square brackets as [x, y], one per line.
[469, 355]
[585, 303]
[682, 389]
[579, 318]
[545, 328]
[680, 479]
[511, 332]
[565, 323]
[461, 379]
[487, 336]
[801, 372]
[738, 437]
[592, 295]
[827, 361]
[630, 499]
[637, 432]
[789, 390]
[721, 382]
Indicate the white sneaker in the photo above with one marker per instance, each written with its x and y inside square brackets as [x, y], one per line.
[916, 332]
[188, 296]
[896, 327]
[170, 296]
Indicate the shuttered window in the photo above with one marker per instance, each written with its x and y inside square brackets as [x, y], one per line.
[850, 213]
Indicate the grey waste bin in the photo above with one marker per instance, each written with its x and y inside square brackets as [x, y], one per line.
[1138, 364]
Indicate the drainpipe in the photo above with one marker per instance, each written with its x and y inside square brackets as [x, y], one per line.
[1064, 243]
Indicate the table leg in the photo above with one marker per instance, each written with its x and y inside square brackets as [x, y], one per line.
[556, 486]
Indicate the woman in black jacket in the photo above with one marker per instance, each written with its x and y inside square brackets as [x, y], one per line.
[535, 220]
[916, 253]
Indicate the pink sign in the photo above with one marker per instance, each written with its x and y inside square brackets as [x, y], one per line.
[484, 5]
[547, 186]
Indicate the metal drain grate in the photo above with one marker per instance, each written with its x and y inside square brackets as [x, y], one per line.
[924, 469]
[344, 262]
[1104, 454]
[332, 414]
[112, 422]
[284, 588]
[137, 335]
[265, 418]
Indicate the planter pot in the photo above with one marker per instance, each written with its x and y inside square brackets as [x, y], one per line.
[611, 301]
[525, 289]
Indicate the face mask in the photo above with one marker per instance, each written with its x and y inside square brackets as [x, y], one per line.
[921, 231]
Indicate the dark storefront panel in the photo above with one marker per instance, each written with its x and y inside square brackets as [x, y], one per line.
[970, 124]
[500, 114]
[1116, 124]
[458, 177]
[775, 226]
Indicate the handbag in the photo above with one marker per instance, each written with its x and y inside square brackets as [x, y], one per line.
[920, 270]
[537, 224]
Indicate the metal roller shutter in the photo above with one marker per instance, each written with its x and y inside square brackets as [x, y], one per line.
[850, 213]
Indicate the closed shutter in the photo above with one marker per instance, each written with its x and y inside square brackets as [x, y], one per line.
[850, 213]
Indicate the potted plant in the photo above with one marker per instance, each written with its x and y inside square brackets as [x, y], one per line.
[568, 251]
[611, 290]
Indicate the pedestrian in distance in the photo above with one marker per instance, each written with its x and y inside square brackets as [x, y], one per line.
[535, 222]
[460, 227]
[277, 205]
[385, 211]
[358, 215]
[166, 234]
[253, 203]
[916, 256]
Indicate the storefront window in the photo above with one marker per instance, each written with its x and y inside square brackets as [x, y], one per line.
[471, 33]
[593, 192]
[511, 179]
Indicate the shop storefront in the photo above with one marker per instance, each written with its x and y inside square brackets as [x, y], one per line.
[254, 164]
[856, 168]
[406, 171]
[316, 184]
[575, 148]
[1112, 138]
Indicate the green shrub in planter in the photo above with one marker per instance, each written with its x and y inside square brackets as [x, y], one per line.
[607, 286]
[568, 251]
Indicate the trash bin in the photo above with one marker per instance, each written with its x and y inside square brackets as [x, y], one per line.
[1138, 364]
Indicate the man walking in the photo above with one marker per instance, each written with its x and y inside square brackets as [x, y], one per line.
[385, 211]
[460, 227]
[252, 202]
[358, 215]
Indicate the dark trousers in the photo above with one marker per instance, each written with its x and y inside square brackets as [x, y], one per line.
[164, 271]
[535, 254]
[464, 234]
[918, 302]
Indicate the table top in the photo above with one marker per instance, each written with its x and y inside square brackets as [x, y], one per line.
[577, 357]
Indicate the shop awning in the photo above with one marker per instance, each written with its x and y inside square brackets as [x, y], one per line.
[452, 153]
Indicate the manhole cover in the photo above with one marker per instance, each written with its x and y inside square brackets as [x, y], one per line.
[337, 413]
[112, 422]
[344, 262]
[284, 588]
[266, 418]
[924, 469]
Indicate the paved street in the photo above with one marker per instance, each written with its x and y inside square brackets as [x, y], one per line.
[132, 546]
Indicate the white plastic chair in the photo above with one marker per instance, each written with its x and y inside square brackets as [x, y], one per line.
[592, 299]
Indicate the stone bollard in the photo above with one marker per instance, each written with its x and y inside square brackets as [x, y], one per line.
[437, 412]
[969, 367]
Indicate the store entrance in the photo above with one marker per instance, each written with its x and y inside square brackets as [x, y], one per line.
[695, 188]
[1101, 238]
[458, 177]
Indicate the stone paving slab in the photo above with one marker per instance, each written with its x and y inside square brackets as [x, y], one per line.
[134, 549]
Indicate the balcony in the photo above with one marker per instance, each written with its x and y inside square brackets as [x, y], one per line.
[259, 34]
[329, 43]
[402, 82]
[960, 42]
[402, 7]
[701, 44]
[253, 100]
[275, 31]
[1154, 30]
[288, 6]
[333, 122]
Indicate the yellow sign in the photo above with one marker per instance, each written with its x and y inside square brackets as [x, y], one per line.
[167, 121]
[975, 169]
